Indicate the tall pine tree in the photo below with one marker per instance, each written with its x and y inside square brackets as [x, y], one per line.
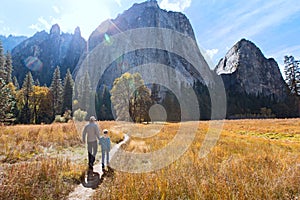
[8, 68]
[2, 63]
[27, 89]
[292, 74]
[7, 102]
[68, 91]
[16, 83]
[57, 92]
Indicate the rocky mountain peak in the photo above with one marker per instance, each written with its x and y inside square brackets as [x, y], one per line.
[245, 69]
[243, 49]
[77, 32]
[42, 52]
[140, 15]
[55, 30]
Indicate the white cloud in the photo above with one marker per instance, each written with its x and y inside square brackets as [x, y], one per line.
[251, 18]
[73, 13]
[212, 52]
[42, 24]
[85, 15]
[56, 9]
[175, 5]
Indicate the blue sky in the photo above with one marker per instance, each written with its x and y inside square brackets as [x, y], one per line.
[273, 25]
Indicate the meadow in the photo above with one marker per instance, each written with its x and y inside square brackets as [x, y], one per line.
[253, 159]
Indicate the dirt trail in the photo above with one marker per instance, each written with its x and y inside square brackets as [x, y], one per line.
[83, 193]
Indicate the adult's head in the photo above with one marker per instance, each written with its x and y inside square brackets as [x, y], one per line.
[92, 119]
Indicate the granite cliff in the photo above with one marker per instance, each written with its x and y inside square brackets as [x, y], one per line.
[254, 84]
[42, 52]
[245, 69]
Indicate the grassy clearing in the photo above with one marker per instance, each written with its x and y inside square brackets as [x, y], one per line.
[248, 162]
[244, 164]
[46, 178]
[43, 161]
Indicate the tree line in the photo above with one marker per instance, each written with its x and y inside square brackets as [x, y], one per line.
[30, 102]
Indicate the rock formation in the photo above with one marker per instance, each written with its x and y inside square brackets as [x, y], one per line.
[245, 69]
[42, 52]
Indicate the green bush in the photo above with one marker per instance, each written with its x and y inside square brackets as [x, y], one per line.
[80, 115]
[59, 119]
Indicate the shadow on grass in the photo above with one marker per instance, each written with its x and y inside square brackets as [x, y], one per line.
[91, 179]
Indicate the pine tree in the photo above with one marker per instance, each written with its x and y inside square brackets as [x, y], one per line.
[68, 91]
[37, 82]
[7, 102]
[27, 89]
[8, 68]
[2, 63]
[292, 74]
[103, 104]
[16, 83]
[57, 92]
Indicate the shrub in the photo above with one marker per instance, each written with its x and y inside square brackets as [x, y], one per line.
[59, 119]
[80, 115]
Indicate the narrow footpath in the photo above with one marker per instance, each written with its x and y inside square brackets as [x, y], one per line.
[83, 193]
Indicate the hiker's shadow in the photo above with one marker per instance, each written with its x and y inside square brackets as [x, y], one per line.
[91, 179]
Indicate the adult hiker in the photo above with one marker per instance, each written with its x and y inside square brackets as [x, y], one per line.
[91, 132]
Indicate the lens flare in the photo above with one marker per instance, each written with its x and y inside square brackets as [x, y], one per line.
[107, 39]
[33, 63]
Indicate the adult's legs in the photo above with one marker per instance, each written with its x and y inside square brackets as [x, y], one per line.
[92, 151]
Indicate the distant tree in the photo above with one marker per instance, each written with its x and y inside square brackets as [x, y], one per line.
[37, 82]
[7, 102]
[68, 91]
[41, 105]
[103, 104]
[23, 100]
[129, 97]
[140, 103]
[56, 89]
[2, 63]
[8, 68]
[16, 83]
[292, 74]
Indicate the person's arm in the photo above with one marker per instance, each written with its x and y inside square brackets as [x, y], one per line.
[84, 134]
[109, 143]
[97, 132]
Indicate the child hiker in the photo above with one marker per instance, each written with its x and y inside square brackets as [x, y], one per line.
[105, 147]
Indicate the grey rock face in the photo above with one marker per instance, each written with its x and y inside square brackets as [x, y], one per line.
[148, 15]
[245, 69]
[11, 42]
[42, 52]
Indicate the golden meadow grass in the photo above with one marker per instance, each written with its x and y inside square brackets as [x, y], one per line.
[28, 171]
[253, 159]
[246, 163]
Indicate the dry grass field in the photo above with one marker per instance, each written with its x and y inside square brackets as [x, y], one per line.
[42, 161]
[253, 159]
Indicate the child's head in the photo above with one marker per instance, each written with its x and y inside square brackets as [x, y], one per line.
[105, 131]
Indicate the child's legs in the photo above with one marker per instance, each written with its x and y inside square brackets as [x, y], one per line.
[107, 157]
[103, 155]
